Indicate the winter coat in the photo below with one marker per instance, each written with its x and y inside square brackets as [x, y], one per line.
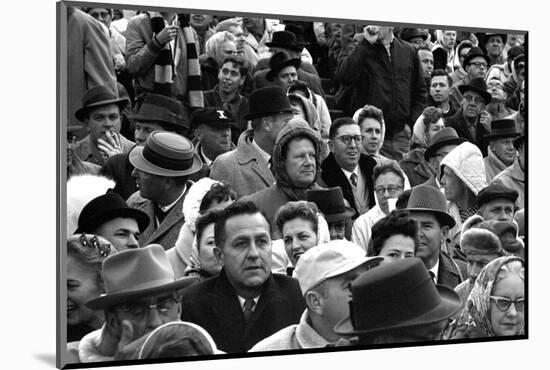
[362, 227]
[415, 167]
[314, 82]
[459, 124]
[238, 107]
[513, 177]
[493, 166]
[214, 305]
[243, 168]
[393, 84]
[451, 271]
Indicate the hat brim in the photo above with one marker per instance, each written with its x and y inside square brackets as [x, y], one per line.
[80, 114]
[269, 113]
[335, 217]
[272, 73]
[92, 224]
[142, 118]
[484, 94]
[298, 47]
[501, 136]
[109, 300]
[443, 217]
[449, 305]
[430, 152]
[138, 161]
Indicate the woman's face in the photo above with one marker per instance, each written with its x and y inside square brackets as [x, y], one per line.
[228, 48]
[298, 236]
[208, 261]
[509, 322]
[386, 186]
[81, 287]
[397, 247]
[434, 128]
[299, 111]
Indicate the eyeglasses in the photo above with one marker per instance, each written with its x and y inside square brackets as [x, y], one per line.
[503, 304]
[477, 99]
[104, 249]
[392, 189]
[140, 309]
[479, 65]
[346, 139]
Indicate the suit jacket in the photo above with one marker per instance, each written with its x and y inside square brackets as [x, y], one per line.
[213, 304]
[244, 168]
[459, 124]
[451, 271]
[167, 232]
[332, 175]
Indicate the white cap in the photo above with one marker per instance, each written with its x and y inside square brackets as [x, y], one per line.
[328, 260]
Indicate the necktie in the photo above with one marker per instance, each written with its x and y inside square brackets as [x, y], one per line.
[160, 214]
[247, 309]
[353, 179]
[432, 275]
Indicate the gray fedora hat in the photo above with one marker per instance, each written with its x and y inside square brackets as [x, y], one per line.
[426, 198]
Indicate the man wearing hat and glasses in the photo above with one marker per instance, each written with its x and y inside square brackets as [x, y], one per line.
[475, 64]
[337, 213]
[247, 169]
[324, 274]
[157, 112]
[162, 169]
[501, 147]
[100, 114]
[428, 207]
[110, 217]
[398, 303]
[141, 294]
[513, 176]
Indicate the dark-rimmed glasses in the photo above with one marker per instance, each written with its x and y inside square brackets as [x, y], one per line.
[503, 304]
[346, 139]
[140, 309]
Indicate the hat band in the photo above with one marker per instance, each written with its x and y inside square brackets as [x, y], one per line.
[175, 164]
[99, 98]
[158, 114]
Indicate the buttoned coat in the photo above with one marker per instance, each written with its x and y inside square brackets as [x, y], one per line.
[244, 168]
[451, 271]
[459, 124]
[214, 305]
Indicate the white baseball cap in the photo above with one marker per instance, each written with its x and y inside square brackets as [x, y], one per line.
[328, 260]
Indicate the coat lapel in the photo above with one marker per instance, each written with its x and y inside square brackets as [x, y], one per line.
[448, 274]
[174, 216]
[259, 166]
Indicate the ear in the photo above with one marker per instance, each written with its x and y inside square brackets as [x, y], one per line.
[444, 233]
[314, 301]
[330, 145]
[266, 122]
[219, 255]
[112, 323]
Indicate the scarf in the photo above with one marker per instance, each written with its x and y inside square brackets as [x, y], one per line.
[194, 87]
[164, 64]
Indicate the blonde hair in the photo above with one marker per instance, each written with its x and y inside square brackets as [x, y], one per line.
[511, 268]
[214, 46]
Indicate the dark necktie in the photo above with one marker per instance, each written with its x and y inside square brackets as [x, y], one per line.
[160, 214]
[353, 179]
[432, 275]
[248, 305]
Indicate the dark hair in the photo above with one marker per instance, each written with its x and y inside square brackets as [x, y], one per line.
[204, 220]
[240, 62]
[398, 222]
[298, 85]
[370, 111]
[440, 72]
[219, 192]
[300, 209]
[235, 209]
[464, 44]
[403, 199]
[339, 122]
[385, 167]
[431, 115]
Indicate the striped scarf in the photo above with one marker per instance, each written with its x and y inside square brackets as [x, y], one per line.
[164, 65]
[194, 87]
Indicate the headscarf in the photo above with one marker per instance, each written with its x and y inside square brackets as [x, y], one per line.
[478, 304]
[214, 45]
[419, 136]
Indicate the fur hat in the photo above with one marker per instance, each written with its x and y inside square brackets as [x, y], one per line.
[479, 241]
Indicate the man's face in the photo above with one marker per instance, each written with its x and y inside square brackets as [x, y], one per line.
[449, 39]
[426, 61]
[230, 78]
[150, 186]
[337, 230]
[300, 162]
[144, 129]
[277, 122]
[200, 21]
[101, 14]
[298, 236]
[386, 186]
[286, 76]
[475, 265]
[440, 154]
[477, 67]
[246, 253]
[504, 149]
[494, 46]
[440, 89]
[454, 187]
[103, 119]
[371, 130]
[144, 318]
[122, 233]
[472, 104]
[215, 140]
[346, 155]
[496, 89]
[500, 209]
[81, 287]
[430, 235]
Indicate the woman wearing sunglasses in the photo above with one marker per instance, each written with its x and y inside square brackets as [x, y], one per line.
[496, 305]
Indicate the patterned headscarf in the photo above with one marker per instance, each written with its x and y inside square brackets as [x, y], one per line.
[478, 304]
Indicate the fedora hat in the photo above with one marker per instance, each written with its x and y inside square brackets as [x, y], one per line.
[426, 198]
[331, 202]
[285, 40]
[105, 208]
[215, 117]
[166, 154]
[278, 62]
[486, 36]
[477, 85]
[445, 136]
[161, 109]
[410, 33]
[475, 52]
[502, 128]
[96, 97]
[267, 101]
[397, 295]
[298, 31]
[137, 273]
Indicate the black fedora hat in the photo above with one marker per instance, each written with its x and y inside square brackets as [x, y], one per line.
[394, 296]
[161, 109]
[502, 128]
[477, 85]
[96, 97]
[285, 40]
[446, 136]
[486, 36]
[298, 31]
[410, 33]
[166, 154]
[331, 202]
[105, 208]
[266, 101]
[475, 52]
[280, 61]
[426, 198]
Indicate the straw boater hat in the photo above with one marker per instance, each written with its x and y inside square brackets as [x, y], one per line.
[96, 97]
